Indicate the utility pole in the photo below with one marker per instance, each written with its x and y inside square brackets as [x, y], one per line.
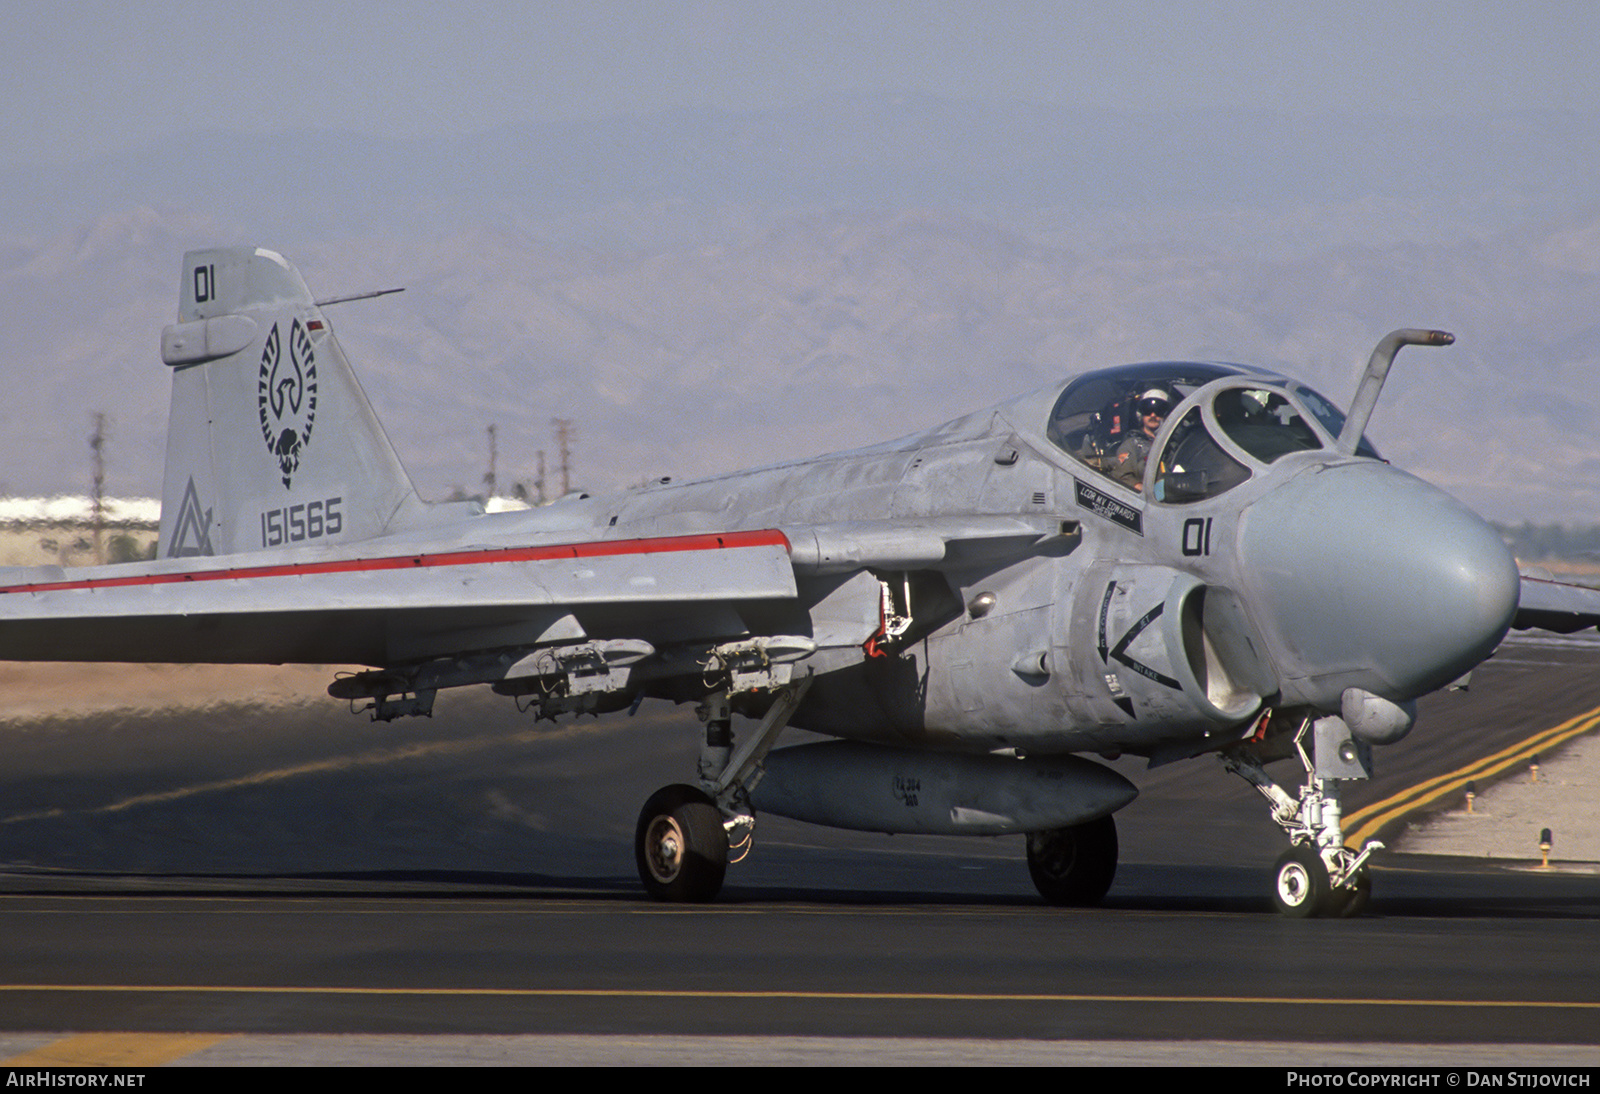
[564, 436]
[494, 454]
[97, 450]
[538, 483]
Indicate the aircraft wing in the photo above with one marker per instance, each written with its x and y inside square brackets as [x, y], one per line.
[1559, 606]
[379, 608]
[383, 604]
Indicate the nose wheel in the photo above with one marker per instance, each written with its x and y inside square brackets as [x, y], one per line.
[1300, 887]
[681, 846]
[1351, 900]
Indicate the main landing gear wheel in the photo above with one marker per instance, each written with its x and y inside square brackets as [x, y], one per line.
[1300, 887]
[1074, 866]
[681, 846]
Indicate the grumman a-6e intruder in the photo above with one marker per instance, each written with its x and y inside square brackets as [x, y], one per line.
[972, 611]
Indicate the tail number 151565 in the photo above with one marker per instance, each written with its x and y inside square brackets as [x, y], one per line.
[298, 523]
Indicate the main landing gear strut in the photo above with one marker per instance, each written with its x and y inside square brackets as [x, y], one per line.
[1318, 875]
[685, 833]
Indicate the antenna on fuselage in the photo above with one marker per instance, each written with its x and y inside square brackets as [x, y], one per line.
[1355, 423]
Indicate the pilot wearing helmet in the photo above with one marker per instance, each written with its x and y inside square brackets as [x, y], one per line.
[1150, 409]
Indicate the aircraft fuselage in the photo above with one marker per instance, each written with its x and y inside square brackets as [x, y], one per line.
[1129, 624]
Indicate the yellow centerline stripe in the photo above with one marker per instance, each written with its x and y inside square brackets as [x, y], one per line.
[818, 996]
[1366, 822]
[116, 1050]
[377, 757]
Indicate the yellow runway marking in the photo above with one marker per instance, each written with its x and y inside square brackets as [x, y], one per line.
[372, 758]
[116, 1050]
[1365, 823]
[815, 996]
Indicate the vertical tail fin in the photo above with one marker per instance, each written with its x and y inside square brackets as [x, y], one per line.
[271, 441]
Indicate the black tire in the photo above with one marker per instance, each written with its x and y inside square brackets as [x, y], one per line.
[1349, 903]
[680, 846]
[1300, 886]
[1073, 867]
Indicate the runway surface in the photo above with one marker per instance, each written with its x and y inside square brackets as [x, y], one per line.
[255, 869]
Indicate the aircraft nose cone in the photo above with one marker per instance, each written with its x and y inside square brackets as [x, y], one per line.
[1371, 578]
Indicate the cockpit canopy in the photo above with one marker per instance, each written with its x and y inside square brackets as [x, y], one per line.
[1242, 420]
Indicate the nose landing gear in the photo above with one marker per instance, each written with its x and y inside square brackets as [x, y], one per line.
[1318, 875]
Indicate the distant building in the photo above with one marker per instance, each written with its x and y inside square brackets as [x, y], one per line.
[62, 531]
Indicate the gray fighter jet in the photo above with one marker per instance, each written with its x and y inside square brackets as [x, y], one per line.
[1165, 559]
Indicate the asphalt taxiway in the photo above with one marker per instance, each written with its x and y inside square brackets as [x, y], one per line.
[263, 873]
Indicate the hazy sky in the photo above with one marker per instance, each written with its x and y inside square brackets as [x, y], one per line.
[84, 79]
